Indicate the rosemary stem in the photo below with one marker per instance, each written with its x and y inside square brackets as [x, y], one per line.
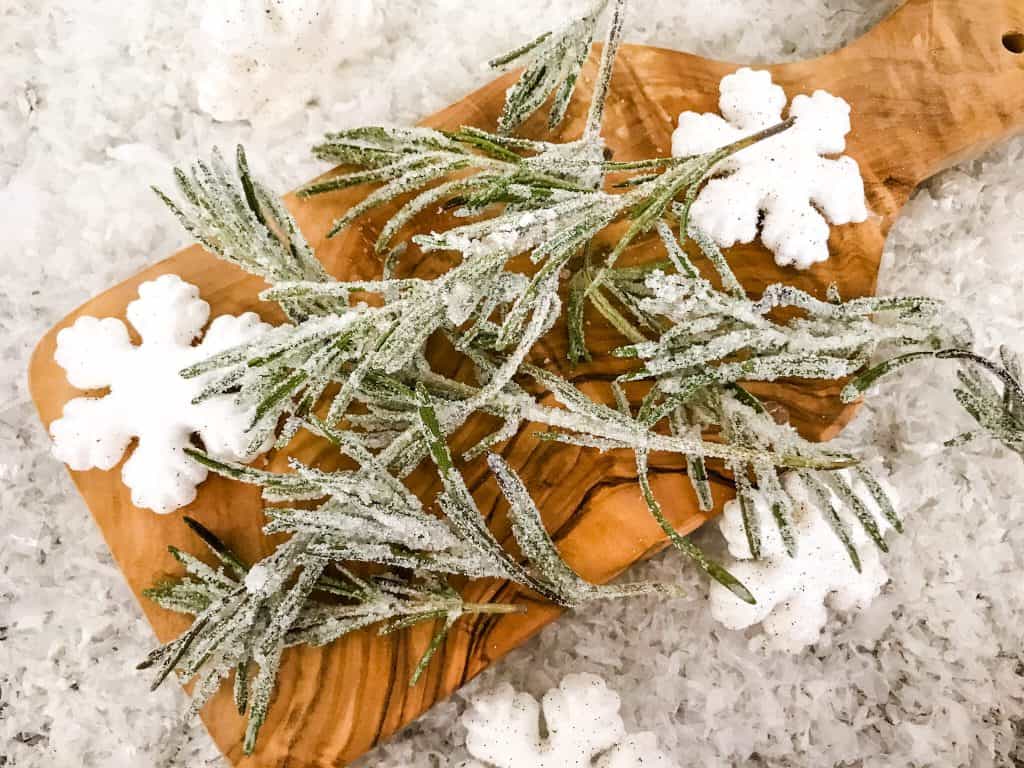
[964, 354]
[493, 608]
[754, 138]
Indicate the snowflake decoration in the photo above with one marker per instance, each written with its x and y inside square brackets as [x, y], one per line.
[792, 592]
[785, 178]
[148, 399]
[583, 723]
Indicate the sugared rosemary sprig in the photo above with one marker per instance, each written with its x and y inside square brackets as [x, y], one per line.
[237, 218]
[491, 170]
[999, 412]
[553, 61]
[245, 617]
[700, 346]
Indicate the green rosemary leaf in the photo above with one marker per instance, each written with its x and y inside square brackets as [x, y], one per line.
[218, 547]
[244, 224]
[552, 65]
[200, 570]
[710, 249]
[531, 535]
[435, 644]
[675, 252]
[240, 689]
[280, 485]
[828, 510]
[846, 494]
[486, 143]
[864, 381]
[880, 497]
[420, 203]
[259, 699]
[683, 543]
[578, 351]
[751, 520]
[781, 504]
[409, 181]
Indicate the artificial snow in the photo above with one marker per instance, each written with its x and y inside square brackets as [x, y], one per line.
[460, 302]
[782, 186]
[581, 717]
[792, 592]
[103, 101]
[263, 58]
[147, 398]
[256, 579]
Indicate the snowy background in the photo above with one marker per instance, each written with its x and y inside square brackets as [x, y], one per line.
[101, 98]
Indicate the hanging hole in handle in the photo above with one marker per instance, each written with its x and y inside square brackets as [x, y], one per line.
[1014, 42]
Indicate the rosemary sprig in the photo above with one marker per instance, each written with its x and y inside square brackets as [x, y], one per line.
[710, 342]
[246, 620]
[493, 170]
[556, 234]
[552, 64]
[246, 224]
[248, 616]
[999, 413]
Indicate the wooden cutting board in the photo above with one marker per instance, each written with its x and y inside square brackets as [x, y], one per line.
[936, 82]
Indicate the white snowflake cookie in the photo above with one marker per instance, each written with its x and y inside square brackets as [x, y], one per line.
[792, 593]
[582, 719]
[147, 398]
[784, 178]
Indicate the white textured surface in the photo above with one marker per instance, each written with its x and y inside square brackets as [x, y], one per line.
[581, 721]
[792, 210]
[793, 593]
[148, 399]
[100, 98]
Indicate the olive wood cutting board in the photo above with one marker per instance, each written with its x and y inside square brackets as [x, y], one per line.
[936, 82]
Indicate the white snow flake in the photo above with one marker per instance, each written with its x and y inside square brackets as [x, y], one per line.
[792, 592]
[147, 398]
[785, 177]
[583, 723]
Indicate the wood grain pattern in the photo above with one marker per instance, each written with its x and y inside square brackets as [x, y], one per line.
[929, 86]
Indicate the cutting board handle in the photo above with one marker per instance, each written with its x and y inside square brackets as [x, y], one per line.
[936, 82]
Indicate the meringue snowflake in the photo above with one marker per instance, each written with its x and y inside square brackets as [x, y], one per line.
[147, 398]
[583, 723]
[784, 177]
[792, 592]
